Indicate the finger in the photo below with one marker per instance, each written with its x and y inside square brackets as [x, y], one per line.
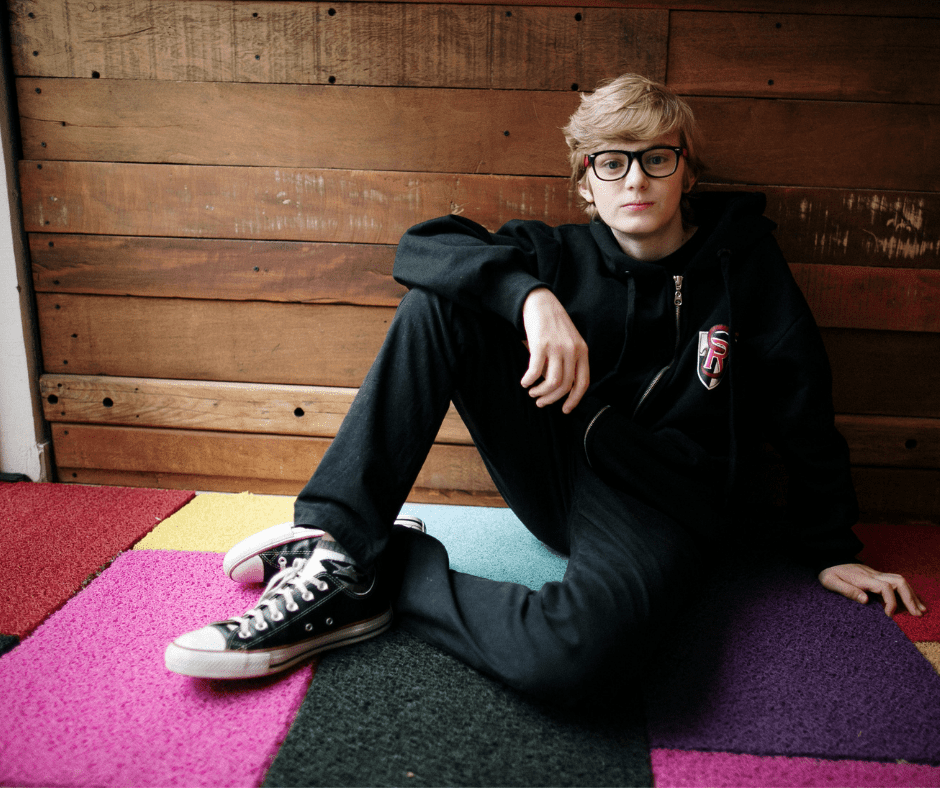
[581, 382]
[840, 586]
[910, 599]
[557, 383]
[534, 370]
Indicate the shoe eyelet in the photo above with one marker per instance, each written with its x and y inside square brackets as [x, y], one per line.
[292, 608]
[329, 622]
[277, 616]
[282, 562]
[309, 627]
[262, 626]
[306, 596]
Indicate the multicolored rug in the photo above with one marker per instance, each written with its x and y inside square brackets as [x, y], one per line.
[767, 680]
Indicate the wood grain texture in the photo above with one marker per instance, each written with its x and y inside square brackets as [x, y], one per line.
[401, 44]
[848, 58]
[282, 458]
[215, 269]
[282, 464]
[874, 372]
[838, 144]
[188, 339]
[890, 299]
[313, 126]
[896, 299]
[459, 131]
[840, 226]
[272, 203]
[315, 411]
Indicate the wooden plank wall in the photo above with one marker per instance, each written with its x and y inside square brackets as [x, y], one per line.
[213, 190]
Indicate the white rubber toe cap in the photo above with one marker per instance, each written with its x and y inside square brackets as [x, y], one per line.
[242, 563]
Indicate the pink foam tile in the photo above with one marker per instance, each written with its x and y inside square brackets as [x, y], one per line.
[686, 769]
[87, 699]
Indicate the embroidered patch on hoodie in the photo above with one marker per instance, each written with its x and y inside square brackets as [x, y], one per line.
[714, 347]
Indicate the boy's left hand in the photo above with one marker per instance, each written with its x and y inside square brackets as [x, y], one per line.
[854, 580]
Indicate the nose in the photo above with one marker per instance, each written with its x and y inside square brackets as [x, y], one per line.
[635, 176]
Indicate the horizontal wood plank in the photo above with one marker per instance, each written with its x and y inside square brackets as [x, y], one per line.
[372, 128]
[895, 495]
[890, 299]
[314, 411]
[502, 132]
[889, 373]
[840, 296]
[215, 269]
[839, 144]
[179, 459]
[892, 442]
[848, 58]
[849, 227]
[875, 372]
[269, 203]
[462, 46]
[187, 339]
[286, 459]
[318, 411]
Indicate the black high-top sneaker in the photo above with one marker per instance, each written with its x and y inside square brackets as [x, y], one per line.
[306, 608]
[261, 556]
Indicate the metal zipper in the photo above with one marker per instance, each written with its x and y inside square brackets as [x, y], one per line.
[677, 300]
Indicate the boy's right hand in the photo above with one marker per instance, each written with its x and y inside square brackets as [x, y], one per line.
[558, 355]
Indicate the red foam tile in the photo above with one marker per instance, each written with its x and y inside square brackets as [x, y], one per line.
[54, 537]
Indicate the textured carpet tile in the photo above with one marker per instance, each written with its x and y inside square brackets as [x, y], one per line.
[932, 652]
[491, 543]
[395, 711]
[676, 769]
[88, 701]
[88, 526]
[767, 662]
[213, 522]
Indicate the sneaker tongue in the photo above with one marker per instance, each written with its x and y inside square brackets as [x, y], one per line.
[316, 563]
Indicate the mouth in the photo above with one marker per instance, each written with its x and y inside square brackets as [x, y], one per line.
[637, 206]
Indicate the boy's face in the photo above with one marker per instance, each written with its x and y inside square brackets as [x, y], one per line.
[642, 212]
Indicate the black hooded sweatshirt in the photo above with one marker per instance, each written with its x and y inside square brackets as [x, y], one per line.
[703, 355]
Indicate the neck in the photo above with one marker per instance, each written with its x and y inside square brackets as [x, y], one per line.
[650, 249]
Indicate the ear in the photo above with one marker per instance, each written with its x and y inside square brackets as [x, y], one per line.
[585, 190]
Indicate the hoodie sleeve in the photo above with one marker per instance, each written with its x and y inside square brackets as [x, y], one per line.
[462, 261]
[794, 399]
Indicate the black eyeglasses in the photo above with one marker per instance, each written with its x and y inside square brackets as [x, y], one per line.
[612, 165]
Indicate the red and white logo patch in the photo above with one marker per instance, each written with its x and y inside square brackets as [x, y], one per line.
[713, 348]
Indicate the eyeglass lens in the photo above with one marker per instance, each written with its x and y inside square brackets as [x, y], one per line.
[656, 163]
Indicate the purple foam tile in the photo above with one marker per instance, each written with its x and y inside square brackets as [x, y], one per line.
[767, 662]
[677, 769]
[88, 701]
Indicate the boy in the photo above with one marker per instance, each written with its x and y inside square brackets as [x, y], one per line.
[699, 342]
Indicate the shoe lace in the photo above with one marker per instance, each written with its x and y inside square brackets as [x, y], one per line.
[283, 586]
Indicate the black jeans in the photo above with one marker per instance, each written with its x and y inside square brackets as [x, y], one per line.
[629, 565]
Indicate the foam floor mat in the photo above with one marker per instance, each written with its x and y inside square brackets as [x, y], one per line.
[395, 711]
[87, 526]
[767, 662]
[88, 701]
[726, 770]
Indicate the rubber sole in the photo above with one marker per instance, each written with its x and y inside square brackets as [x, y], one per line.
[266, 662]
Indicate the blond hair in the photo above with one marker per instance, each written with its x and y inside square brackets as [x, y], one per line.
[630, 108]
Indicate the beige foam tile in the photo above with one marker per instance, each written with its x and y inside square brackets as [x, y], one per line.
[213, 522]
[932, 652]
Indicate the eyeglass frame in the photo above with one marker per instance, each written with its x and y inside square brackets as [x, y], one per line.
[635, 155]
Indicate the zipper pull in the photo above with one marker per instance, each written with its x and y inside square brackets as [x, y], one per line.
[678, 299]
